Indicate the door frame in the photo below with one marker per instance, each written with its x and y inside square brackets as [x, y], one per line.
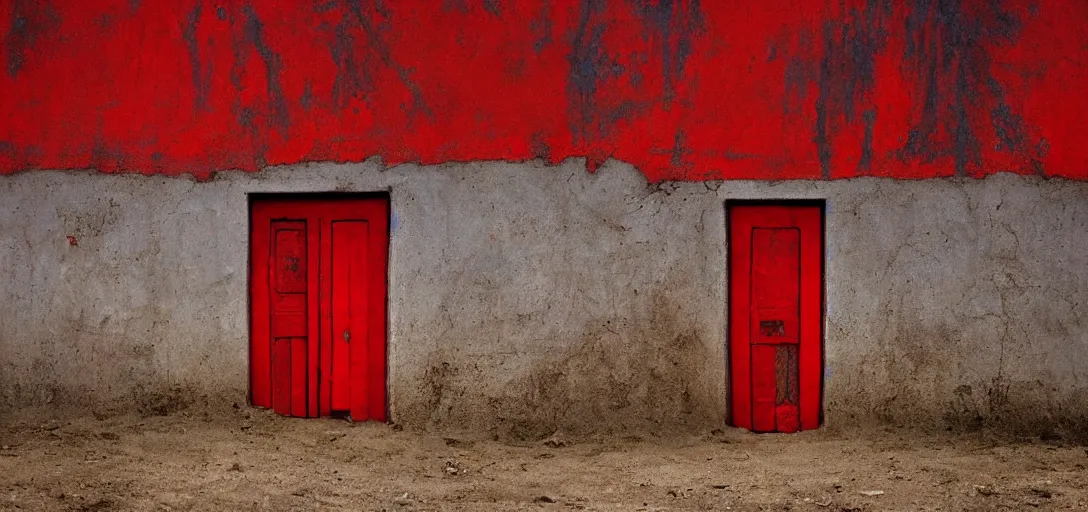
[252, 198]
[730, 204]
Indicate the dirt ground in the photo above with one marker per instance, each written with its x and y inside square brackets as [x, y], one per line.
[247, 459]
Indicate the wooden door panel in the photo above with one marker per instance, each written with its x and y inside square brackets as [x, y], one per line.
[317, 295]
[289, 320]
[349, 340]
[775, 316]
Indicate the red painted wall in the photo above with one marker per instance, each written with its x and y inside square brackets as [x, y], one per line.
[685, 90]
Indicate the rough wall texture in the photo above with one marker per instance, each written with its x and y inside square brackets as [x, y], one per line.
[526, 298]
[683, 89]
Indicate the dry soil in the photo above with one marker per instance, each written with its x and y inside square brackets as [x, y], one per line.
[247, 459]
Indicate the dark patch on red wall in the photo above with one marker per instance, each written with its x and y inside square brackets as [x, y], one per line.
[674, 25]
[29, 20]
[948, 48]
[201, 73]
[685, 90]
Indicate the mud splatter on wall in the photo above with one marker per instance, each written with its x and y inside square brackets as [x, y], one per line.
[685, 90]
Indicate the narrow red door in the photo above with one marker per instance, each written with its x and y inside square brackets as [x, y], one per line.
[358, 356]
[775, 313]
[288, 322]
[317, 288]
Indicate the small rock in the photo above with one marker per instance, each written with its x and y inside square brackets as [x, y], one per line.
[403, 499]
[871, 493]
[555, 441]
[720, 486]
[544, 499]
[1042, 493]
[1050, 436]
[985, 490]
[109, 436]
[299, 492]
[456, 443]
[235, 467]
[825, 503]
[335, 435]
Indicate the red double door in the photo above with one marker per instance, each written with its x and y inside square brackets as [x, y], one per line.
[317, 293]
[775, 316]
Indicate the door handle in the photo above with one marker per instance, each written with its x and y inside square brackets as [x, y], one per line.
[347, 336]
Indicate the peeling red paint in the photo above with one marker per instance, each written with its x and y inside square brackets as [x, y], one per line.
[684, 90]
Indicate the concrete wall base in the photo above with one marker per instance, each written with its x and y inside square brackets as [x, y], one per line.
[525, 298]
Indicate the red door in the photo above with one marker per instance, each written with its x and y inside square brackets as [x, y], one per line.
[775, 316]
[317, 285]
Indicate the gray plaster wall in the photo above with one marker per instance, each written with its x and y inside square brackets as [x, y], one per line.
[525, 299]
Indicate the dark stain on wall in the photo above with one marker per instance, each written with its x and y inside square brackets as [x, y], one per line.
[847, 74]
[1011, 131]
[201, 74]
[352, 79]
[376, 44]
[590, 65]
[277, 102]
[865, 164]
[947, 47]
[455, 6]
[106, 154]
[306, 101]
[676, 23]
[492, 7]
[946, 60]
[541, 26]
[538, 145]
[30, 20]
[243, 117]
[18, 37]
[799, 73]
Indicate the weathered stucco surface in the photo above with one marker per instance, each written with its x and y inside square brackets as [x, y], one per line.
[526, 298]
